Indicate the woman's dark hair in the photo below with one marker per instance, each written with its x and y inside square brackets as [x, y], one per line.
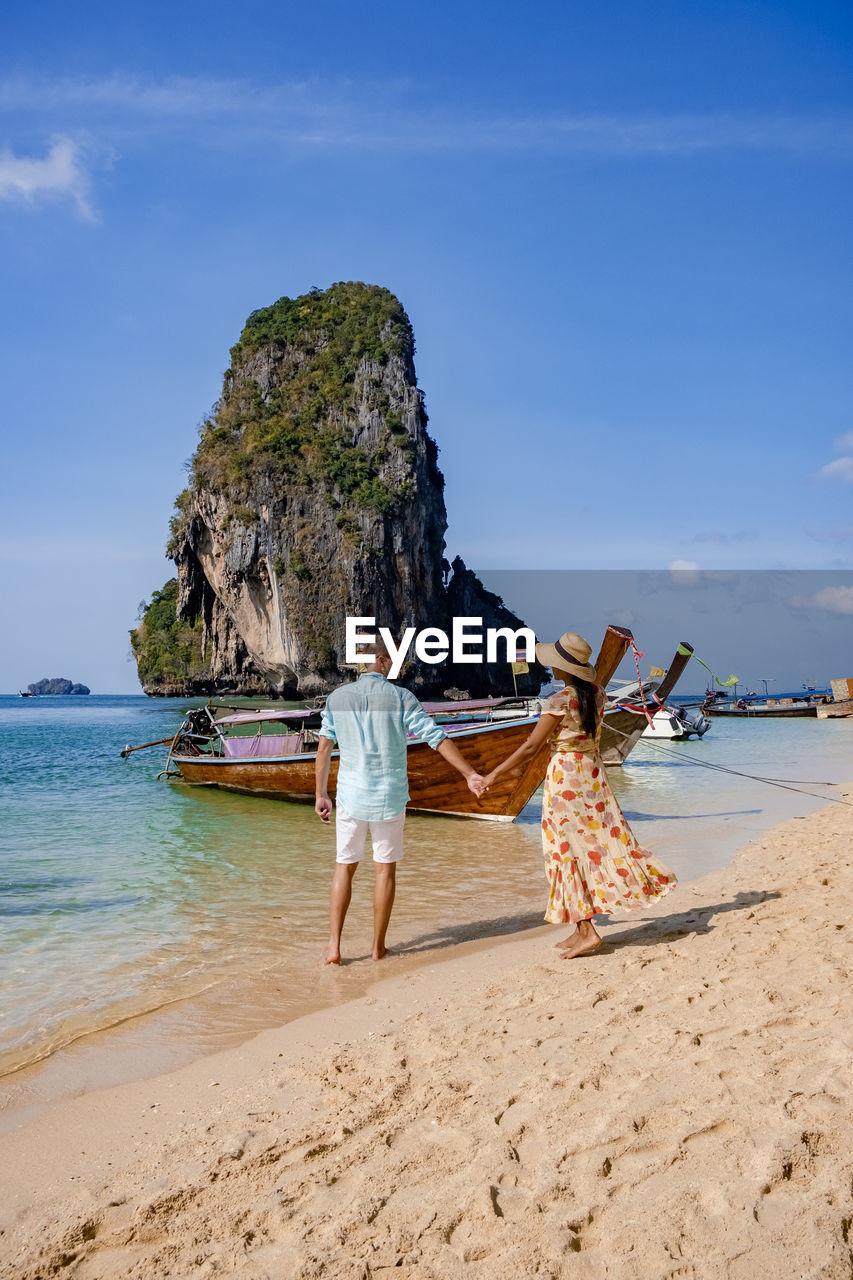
[585, 693]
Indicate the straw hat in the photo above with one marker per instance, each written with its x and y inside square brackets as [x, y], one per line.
[569, 653]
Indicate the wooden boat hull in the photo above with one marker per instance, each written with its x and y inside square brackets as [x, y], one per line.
[434, 786]
[620, 733]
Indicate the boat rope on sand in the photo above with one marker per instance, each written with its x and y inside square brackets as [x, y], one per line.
[785, 784]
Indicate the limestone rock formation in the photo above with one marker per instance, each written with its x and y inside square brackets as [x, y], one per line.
[57, 685]
[315, 493]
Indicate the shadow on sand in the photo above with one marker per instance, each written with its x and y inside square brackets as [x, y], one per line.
[634, 815]
[696, 921]
[661, 929]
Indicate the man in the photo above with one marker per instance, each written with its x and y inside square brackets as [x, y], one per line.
[369, 721]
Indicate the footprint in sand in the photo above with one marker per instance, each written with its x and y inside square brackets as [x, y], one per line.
[708, 1138]
[813, 1107]
[518, 1116]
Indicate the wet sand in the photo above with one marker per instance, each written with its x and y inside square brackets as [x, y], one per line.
[677, 1104]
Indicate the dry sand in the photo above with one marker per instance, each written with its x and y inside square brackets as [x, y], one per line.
[677, 1104]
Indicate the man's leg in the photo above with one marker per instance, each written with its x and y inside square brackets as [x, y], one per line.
[387, 837]
[339, 901]
[350, 837]
[383, 901]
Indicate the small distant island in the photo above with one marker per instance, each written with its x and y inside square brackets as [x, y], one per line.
[55, 686]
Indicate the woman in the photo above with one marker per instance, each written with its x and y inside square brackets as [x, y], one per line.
[593, 863]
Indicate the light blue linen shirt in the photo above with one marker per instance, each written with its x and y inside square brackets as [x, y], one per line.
[369, 721]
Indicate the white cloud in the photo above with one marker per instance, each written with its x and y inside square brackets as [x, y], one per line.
[331, 114]
[838, 469]
[829, 599]
[840, 533]
[726, 537]
[383, 115]
[173, 96]
[684, 573]
[60, 175]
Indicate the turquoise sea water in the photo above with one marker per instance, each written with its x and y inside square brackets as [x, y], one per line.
[120, 894]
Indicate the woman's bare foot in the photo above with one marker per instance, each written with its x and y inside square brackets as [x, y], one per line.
[332, 955]
[567, 941]
[584, 939]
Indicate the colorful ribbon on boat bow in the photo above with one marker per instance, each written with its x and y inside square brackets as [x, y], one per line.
[724, 684]
[638, 654]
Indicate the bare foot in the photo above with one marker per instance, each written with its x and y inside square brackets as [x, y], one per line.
[331, 955]
[565, 942]
[379, 953]
[580, 945]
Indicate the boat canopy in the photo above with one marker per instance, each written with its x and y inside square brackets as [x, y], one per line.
[475, 704]
[431, 708]
[258, 717]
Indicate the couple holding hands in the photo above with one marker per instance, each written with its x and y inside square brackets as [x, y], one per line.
[593, 863]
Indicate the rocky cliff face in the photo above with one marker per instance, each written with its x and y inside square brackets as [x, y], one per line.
[315, 493]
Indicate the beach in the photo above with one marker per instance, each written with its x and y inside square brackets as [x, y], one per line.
[436, 422]
[146, 923]
[677, 1104]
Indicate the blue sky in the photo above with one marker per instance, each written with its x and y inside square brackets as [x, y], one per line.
[621, 233]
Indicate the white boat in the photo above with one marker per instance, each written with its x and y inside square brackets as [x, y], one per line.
[624, 693]
[677, 723]
[668, 721]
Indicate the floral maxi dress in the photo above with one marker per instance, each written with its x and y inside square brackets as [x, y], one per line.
[593, 863]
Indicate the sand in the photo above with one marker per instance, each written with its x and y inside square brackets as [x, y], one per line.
[678, 1104]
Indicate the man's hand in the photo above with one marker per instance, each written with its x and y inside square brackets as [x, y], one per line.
[454, 757]
[322, 803]
[323, 808]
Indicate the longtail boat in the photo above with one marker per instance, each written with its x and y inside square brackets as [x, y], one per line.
[783, 706]
[625, 720]
[211, 752]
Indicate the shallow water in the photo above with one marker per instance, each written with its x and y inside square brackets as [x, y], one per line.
[121, 895]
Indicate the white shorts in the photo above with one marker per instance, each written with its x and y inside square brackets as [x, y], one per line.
[386, 835]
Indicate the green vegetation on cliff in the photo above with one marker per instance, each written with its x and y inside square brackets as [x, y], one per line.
[296, 426]
[167, 650]
[355, 322]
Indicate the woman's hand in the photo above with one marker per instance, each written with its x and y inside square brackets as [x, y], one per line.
[515, 763]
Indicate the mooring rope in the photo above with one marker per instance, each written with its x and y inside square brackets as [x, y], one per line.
[786, 784]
